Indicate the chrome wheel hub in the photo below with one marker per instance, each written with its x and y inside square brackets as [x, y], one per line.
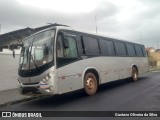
[90, 84]
[135, 75]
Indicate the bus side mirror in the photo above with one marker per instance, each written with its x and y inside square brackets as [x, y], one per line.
[65, 42]
[64, 39]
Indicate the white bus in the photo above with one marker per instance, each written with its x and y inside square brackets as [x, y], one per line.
[60, 59]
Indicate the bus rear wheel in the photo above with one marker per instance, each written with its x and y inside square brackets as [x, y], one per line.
[90, 84]
[134, 74]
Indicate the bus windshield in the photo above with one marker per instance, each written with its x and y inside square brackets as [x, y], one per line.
[37, 50]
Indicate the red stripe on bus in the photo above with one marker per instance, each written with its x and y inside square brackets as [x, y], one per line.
[63, 77]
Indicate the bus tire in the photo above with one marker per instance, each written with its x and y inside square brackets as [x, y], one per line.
[90, 84]
[134, 74]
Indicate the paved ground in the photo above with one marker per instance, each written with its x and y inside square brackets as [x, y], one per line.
[122, 95]
[11, 96]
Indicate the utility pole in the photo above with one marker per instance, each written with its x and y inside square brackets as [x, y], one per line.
[140, 38]
[96, 24]
[158, 44]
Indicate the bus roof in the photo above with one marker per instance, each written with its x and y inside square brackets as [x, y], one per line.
[99, 35]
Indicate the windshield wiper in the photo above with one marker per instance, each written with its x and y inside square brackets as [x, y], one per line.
[23, 57]
[34, 62]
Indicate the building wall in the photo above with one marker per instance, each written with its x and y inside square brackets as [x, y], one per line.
[154, 59]
[155, 56]
[8, 71]
[158, 63]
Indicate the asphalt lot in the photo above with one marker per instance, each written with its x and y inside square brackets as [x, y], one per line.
[121, 95]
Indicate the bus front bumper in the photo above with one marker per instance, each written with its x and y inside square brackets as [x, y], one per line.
[36, 90]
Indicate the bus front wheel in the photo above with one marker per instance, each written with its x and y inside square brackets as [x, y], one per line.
[134, 74]
[90, 84]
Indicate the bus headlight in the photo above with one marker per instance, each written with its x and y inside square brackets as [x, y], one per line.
[46, 77]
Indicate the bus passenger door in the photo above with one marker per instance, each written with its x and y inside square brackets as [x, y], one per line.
[68, 64]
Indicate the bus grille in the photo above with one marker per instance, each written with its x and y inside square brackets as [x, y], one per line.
[30, 83]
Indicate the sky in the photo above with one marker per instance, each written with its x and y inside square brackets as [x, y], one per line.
[131, 20]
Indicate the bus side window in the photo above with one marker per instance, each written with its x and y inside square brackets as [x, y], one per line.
[139, 51]
[71, 50]
[91, 45]
[107, 47]
[130, 50]
[68, 52]
[120, 48]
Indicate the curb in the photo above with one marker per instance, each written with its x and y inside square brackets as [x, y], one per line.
[18, 101]
[154, 70]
